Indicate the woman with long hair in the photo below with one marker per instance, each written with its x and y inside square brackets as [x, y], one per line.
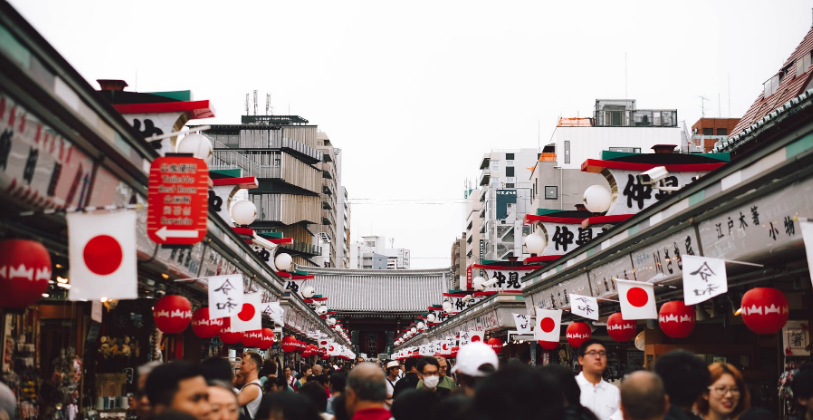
[727, 395]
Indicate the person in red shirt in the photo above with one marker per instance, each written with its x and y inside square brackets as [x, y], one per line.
[366, 393]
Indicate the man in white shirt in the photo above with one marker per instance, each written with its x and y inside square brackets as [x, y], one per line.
[392, 369]
[597, 394]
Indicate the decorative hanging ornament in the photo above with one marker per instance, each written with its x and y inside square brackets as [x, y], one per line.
[455, 349]
[253, 338]
[765, 310]
[288, 344]
[267, 340]
[172, 314]
[322, 352]
[676, 319]
[620, 329]
[25, 269]
[227, 336]
[496, 344]
[548, 345]
[577, 333]
[204, 327]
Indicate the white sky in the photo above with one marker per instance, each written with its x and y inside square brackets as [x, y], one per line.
[414, 93]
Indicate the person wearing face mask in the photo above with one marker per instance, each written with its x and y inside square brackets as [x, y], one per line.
[726, 397]
[429, 372]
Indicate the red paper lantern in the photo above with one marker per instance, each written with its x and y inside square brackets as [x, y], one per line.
[227, 336]
[548, 345]
[300, 346]
[676, 319]
[321, 352]
[620, 329]
[25, 269]
[172, 314]
[308, 351]
[268, 339]
[288, 344]
[496, 344]
[204, 327]
[253, 338]
[455, 349]
[765, 310]
[577, 333]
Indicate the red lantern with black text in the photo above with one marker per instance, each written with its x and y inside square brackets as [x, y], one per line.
[288, 344]
[252, 338]
[496, 344]
[25, 270]
[172, 314]
[548, 345]
[620, 329]
[676, 319]
[765, 310]
[204, 327]
[577, 333]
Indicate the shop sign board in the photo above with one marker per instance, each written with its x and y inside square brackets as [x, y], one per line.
[558, 295]
[177, 199]
[662, 260]
[601, 277]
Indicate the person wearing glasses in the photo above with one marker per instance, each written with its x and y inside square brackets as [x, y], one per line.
[596, 393]
[727, 397]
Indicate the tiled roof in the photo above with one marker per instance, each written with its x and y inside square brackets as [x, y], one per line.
[789, 87]
[380, 290]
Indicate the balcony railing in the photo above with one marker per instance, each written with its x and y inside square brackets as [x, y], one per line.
[636, 118]
[227, 159]
[328, 218]
[485, 176]
[303, 248]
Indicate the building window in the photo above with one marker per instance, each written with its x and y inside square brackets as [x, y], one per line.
[722, 131]
[708, 131]
[626, 149]
[509, 156]
[567, 151]
[551, 192]
[509, 171]
[509, 185]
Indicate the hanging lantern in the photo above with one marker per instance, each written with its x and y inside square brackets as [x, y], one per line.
[496, 344]
[197, 144]
[227, 336]
[535, 244]
[620, 329]
[455, 349]
[765, 310]
[322, 352]
[172, 314]
[283, 262]
[288, 344]
[676, 319]
[300, 347]
[597, 199]
[204, 327]
[25, 269]
[253, 338]
[548, 345]
[267, 340]
[243, 212]
[577, 333]
[308, 351]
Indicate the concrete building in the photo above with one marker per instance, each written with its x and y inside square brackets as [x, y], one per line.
[343, 224]
[506, 198]
[708, 131]
[474, 224]
[366, 254]
[459, 260]
[397, 258]
[554, 187]
[328, 229]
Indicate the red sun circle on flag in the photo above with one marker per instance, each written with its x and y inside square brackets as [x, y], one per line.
[547, 324]
[103, 255]
[637, 297]
[246, 313]
[475, 338]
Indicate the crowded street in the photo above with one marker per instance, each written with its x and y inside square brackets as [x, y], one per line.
[315, 210]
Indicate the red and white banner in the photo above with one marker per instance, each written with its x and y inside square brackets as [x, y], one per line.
[250, 316]
[637, 300]
[102, 254]
[548, 324]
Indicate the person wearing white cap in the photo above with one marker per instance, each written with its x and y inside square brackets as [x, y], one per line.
[392, 370]
[474, 362]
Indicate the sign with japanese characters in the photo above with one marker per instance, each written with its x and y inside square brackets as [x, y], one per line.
[225, 295]
[464, 338]
[565, 237]
[664, 258]
[274, 311]
[601, 277]
[584, 306]
[558, 295]
[178, 200]
[703, 279]
[523, 323]
[508, 278]
[633, 196]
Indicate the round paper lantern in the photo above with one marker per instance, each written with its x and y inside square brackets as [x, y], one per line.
[253, 338]
[430, 318]
[548, 345]
[577, 333]
[496, 344]
[267, 340]
[308, 351]
[676, 319]
[447, 306]
[308, 292]
[227, 336]
[597, 199]
[535, 243]
[300, 346]
[283, 262]
[26, 269]
[172, 314]
[765, 310]
[204, 327]
[288, 344]
[455, 349]
[478, 283]
[322, 352]
[197, 144]
[243, 212]
[620, 329]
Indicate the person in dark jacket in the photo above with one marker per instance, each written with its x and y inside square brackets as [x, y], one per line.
[410, 380]
[574, 410]
[685, 377]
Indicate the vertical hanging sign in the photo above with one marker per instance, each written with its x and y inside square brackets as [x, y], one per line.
[177, 198]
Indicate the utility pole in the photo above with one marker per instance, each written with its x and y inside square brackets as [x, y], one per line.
[702, 106]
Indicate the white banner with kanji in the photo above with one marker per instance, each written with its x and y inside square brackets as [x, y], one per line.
[703, 278]
[225, 295]
[584, 306]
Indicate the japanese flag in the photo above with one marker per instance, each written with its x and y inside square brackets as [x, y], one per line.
[102, 254]
[637, 300]
[475, 336]
[325, 342]
[548, 324]
[250, 316]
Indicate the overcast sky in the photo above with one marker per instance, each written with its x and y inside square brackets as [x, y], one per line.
[415, 92]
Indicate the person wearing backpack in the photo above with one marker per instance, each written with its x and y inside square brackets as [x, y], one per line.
[251, 394]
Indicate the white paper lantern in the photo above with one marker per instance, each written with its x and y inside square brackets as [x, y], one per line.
[283, 262]
[331, 321]
[243, 212]
[321, 310]
[197, 144]
[430, 318]
[597, 199]
[447, 306]
[338, 328]
[413, 330]
[308, 292]
[535, 243]
[478, 283]
[421, 325]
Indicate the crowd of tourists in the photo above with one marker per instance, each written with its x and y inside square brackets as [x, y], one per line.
[477, 387]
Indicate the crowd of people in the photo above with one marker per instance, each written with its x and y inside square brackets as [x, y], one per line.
[477, 387]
